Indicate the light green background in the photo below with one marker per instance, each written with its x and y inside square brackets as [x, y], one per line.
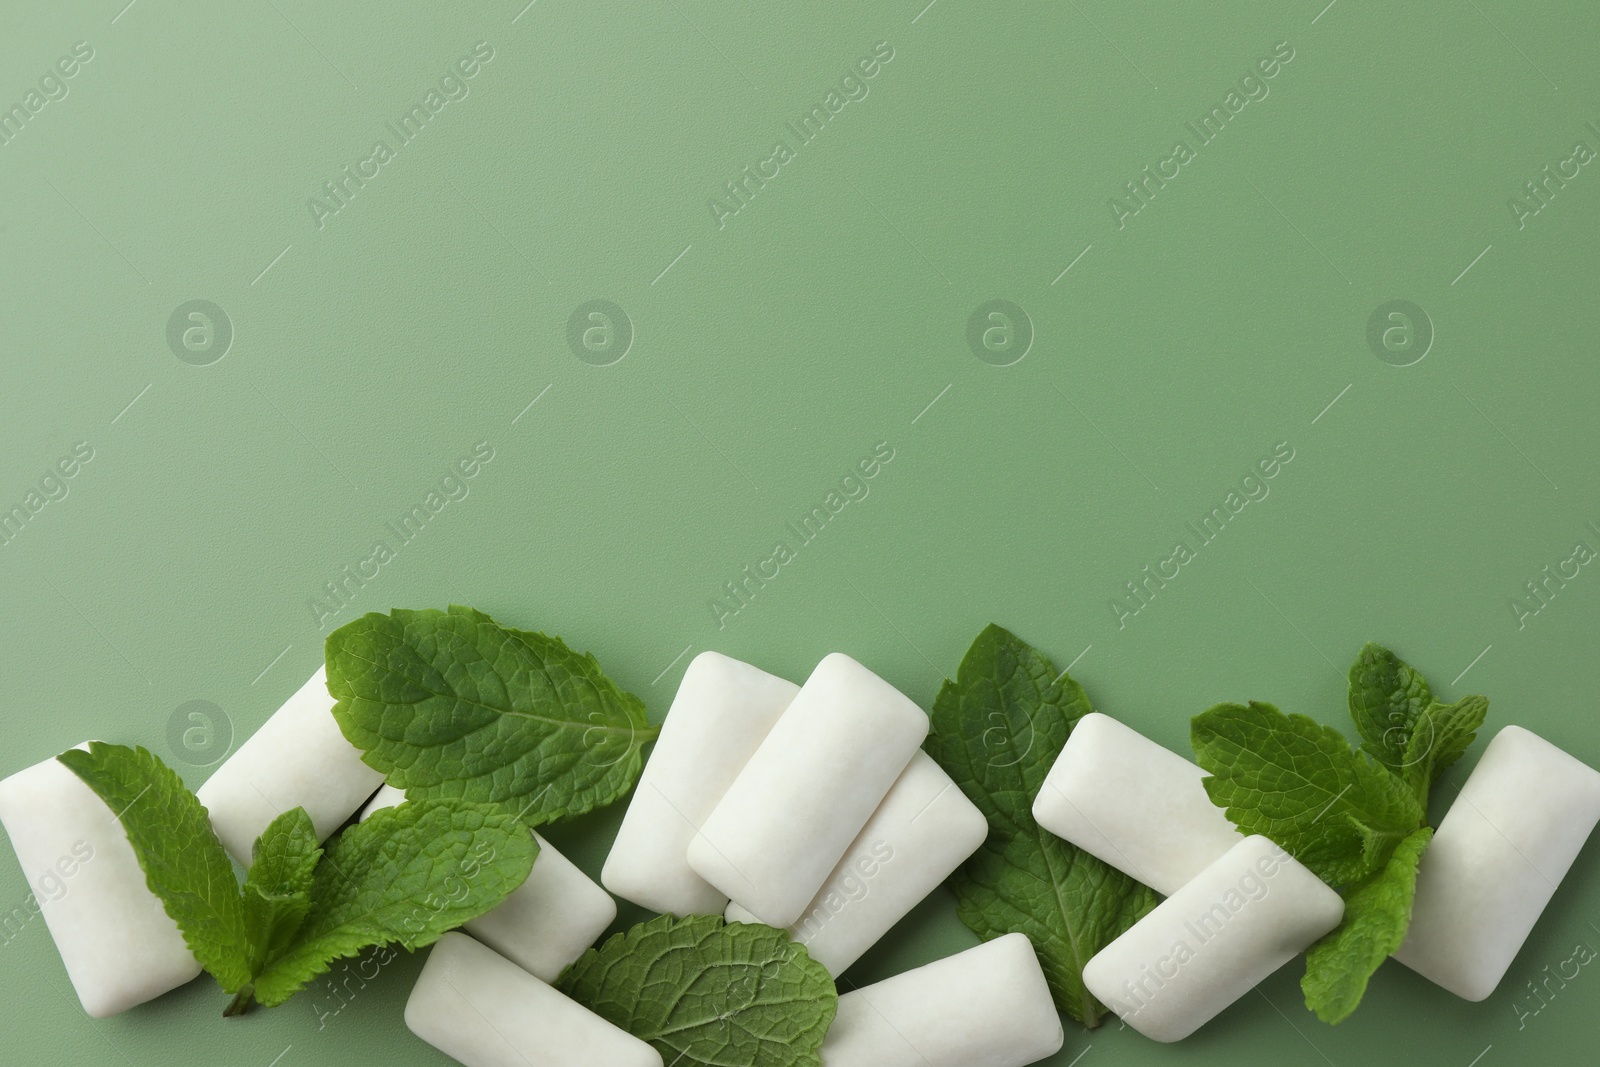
[774, 352]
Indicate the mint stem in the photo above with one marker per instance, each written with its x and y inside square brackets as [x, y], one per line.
[240, 1003]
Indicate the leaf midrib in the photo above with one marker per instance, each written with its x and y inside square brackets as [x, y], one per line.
[633, 730]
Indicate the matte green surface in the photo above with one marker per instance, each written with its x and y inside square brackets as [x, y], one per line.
[772, 353]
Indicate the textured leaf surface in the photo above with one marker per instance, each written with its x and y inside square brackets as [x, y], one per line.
[996, 730]
[1387, 700]
[1300, 784]
[1443, 735]
[452, 704]
[184, 864]
[277, 891]
[704, 992]
[407, 874]
[1376, 916]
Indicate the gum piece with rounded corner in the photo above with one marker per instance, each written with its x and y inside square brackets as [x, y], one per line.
[807, 791]
[118, 944]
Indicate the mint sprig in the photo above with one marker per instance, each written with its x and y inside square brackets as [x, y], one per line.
[1401, 724]
[1298, 782]
[1377, 912]
[706, 993]
[404, 876]
[1356, 818]
[996, 730]
[452, 704]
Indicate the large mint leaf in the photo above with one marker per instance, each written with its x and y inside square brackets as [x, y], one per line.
[996, 730]
[184, 864]
[709, 994]
[452, 704]
[407, 874]
[1300, 784]
[1387, 699]
[277, 891]
[1376, 916]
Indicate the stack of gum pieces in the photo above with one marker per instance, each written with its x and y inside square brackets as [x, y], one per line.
[1238, 908]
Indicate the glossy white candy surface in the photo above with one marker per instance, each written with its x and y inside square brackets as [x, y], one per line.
[480, 1008]
[920, 833]
[1139, 807]
[986, 1007]
[809, 788]
[1212, 941]
[723, 710]
[118, 944]
[1496, 860]
[297, 759]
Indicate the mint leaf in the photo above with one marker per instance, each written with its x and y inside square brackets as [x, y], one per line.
[1376, 915]
[452, 704]
[705, 993]
[996, 730]
[1442, 735]
[1300, 784]
[407, 874]
[1387, 699]
[184, 864]
[277, 891]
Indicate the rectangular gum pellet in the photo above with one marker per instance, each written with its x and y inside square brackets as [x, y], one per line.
[986, 1007]
[1500, 851]
[485, 1011]
[1212, 941]
[723, 710]
[298, 758]
[1134, 804]
[118, 944]
[548, 921]
[808, 789]
[920, 833]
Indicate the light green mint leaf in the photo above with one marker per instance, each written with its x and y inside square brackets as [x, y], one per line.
[996, 730]
[1387, 699]
[706, 993]
[277, 892]
[1442, 735]
[1376, 916]
[452, 704]
[184, 864]
[1300, 784]
[407, 874]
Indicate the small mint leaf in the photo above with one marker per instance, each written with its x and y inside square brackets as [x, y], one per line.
[996, 730]
[1442, 735]
[1299, 783]
[184, 864]
[1387, 699]
[706, 993]
[407, 874]
[277, 891]
[1376, 916]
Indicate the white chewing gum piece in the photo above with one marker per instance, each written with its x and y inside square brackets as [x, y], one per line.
[920, 833]
[1141, 808]
[722, 712]
[986, 1007]
[485, 1011]
[118, 944]
[1496, 860]
[1212, 941]
[807, 790]
[548, 921]
[298, 759]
